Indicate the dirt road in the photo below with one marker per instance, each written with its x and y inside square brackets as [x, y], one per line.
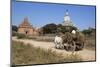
[87, 55]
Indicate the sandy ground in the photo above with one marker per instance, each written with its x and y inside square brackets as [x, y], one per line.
[86, 55]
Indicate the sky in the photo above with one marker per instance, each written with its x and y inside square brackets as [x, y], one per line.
[40, 14]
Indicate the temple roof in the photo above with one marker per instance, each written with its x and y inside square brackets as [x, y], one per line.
[25, 24]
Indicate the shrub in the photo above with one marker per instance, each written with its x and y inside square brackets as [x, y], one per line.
[14, 33]
[20, 36]
[13, 65]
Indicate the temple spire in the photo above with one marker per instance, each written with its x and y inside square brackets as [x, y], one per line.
[26, 19]
[67, 21]
[66, 17]
[66, 14]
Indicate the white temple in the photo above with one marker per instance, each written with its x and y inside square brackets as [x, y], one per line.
[67, 21]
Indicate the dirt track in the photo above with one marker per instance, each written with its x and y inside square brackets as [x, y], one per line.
[87, 55]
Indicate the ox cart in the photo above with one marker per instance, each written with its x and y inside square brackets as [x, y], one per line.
[72, 42]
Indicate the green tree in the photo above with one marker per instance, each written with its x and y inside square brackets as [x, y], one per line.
[73, 28]
[87, 32]
[49, 28]
[64, 29]
[14, 28]
[61, 29]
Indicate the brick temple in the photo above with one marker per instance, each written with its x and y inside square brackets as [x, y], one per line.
[26, 28]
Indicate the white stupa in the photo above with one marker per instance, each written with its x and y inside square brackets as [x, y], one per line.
[67, 21]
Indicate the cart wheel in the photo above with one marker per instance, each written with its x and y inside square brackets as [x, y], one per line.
[79, 46]
[72, 47]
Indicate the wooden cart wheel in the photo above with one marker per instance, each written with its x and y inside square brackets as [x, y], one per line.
[79, 46]
[70, 47]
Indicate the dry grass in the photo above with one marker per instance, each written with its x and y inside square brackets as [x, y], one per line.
[27, 54]
[90, 43]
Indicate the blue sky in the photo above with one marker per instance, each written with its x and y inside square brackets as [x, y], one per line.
[40, 14]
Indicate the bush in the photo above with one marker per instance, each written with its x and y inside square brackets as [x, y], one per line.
[27, 54]
[20, 36]
[13, 65]
[14, 33]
